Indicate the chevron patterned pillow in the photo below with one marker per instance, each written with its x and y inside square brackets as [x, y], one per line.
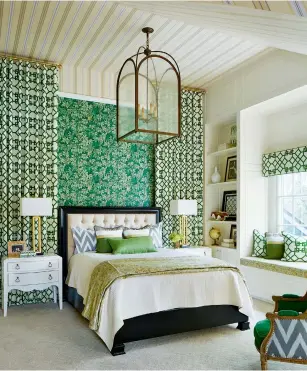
[155, 232]
[85, 240]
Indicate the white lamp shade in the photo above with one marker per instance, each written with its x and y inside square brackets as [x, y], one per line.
[36, 207]
[183, 207]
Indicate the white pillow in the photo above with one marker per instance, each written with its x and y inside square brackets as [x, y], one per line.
[155, 232]
[136, 232]
[102, 232]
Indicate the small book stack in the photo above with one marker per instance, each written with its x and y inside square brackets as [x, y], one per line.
[27, 254]
[228, 242]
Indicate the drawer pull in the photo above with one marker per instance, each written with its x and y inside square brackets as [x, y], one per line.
[50, 277]
[17, 266]
[17, 279]
[50, 265]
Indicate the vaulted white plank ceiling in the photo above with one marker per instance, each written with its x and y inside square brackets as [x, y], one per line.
[92, 39]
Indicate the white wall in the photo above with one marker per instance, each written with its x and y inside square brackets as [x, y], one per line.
[262, 78]
[274, 125]
[252, 189]
[287, 128]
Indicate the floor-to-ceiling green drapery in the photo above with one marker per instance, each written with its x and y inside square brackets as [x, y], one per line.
[179, 168]
[28, 153]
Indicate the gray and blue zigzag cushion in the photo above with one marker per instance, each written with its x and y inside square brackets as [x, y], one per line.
[289, 339]
[85, 240]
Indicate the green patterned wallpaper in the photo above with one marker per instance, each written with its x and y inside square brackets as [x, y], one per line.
[95, 170]
[179, 169]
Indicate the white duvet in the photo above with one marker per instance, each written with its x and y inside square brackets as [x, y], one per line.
[135, 296]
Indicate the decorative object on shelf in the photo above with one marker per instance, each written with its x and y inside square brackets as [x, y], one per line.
[223, 146]
[231, 169]
[148, 96]
[230, 204]
[216, 176]
[14, 248]
[215, 234]
[36, 207]
[228, 242]
[183, 208]
[218, 215]
[233, 233]
[233, 135]
[176, 238]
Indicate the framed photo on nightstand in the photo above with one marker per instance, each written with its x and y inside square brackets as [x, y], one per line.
[14, 248]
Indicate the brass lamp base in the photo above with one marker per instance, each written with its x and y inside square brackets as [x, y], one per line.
[183, 227]
[39, 234]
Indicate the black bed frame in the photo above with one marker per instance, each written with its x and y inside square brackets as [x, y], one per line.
[154, 324]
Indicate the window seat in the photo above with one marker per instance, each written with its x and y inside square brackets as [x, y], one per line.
[289, 268]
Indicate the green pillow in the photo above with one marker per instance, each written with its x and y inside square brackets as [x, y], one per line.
[137, 245]
[275, 246]
[295, 248]
[288, 313]
[298, 306]
[103, 246]
[259, 244]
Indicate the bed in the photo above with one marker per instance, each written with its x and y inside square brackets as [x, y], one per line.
[143, 307]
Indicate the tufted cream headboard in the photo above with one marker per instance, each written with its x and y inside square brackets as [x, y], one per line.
[88, 217]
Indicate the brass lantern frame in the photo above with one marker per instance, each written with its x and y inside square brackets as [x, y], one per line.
[148, 55]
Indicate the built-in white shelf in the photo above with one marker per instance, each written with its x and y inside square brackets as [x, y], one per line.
[222, 221]
[224, 152]
[234, 182]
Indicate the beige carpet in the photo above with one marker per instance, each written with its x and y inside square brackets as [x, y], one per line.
[42, 337]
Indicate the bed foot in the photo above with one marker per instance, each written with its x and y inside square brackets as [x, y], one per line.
[243, 326]
[118, 349]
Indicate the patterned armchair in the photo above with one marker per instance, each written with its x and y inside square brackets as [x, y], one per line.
[283, 335]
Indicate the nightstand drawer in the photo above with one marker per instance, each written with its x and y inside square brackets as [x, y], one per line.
[16, 279]
[40, 265]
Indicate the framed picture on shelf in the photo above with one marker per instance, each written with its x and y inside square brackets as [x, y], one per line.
[14, 248]
[233, 233]
[229, 204]
[231, 169]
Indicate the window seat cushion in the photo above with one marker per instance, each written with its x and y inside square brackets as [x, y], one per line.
[290, 268]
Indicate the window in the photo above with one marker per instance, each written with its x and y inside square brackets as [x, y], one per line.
[290, 203]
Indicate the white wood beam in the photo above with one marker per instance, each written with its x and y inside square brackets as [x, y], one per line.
[267, 28]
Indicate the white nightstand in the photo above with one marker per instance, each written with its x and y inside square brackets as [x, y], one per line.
[35, 273]
[199, 250]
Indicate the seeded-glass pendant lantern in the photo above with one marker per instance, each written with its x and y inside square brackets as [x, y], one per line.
[148, 97]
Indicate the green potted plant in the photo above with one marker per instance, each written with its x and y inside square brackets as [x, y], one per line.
[176, 238]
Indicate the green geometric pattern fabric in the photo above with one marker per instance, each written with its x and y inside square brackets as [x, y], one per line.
[179, 169]
[95, 169]
[295, 248]
[259, 244]
[285, 162]
[28, 158]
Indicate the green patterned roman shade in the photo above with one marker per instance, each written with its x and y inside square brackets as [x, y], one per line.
[285, 162]
[179, 169]
[28, 154]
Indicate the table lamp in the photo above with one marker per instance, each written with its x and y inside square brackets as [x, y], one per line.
[36, 207]
[183, 208]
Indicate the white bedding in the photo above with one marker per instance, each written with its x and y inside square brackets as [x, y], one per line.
[135, 296]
